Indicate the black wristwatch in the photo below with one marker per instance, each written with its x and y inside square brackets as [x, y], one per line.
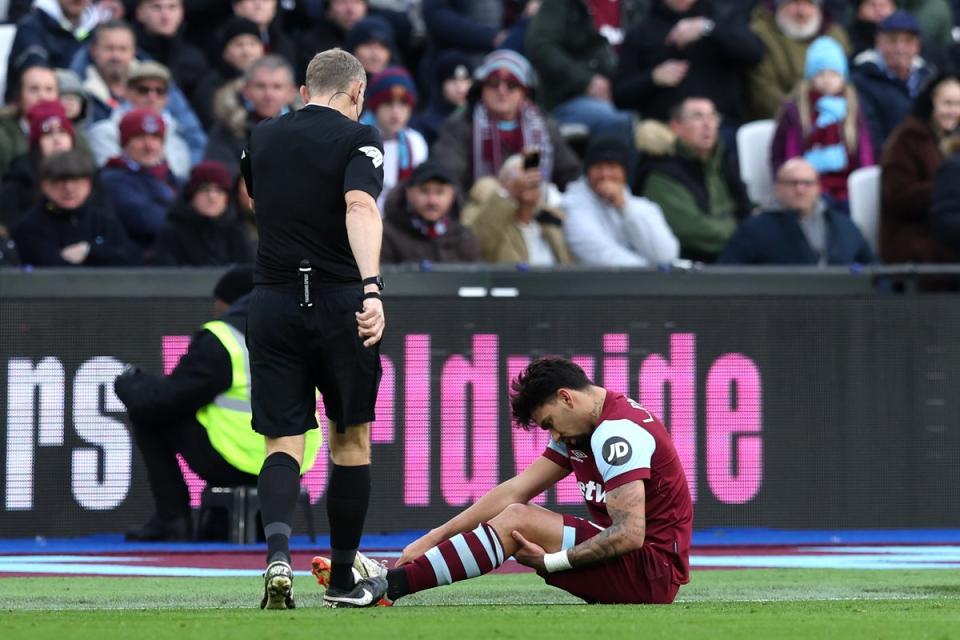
[377, 280]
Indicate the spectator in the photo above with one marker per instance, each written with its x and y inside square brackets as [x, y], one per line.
[51, 132]
[331, 31]
[75, 100]
[936, 20]
[263, 13]
[37, 84]
[112, 52]
[571, 43]
[889, 77]
[240, 48]
[449, 89]
[513, 222]
[911, 159]
[806, 230]
[474, 27]
[786, 34]
[139, 182]
[863, 28]
[65, 229]
[202, 229]
[149, 84]
[160, 35]
[500, 120]
[267, 92]
[945, 201]
[822, 121]
[421, 221]
[390, 100]
[606, 225]
[683, 49]
[371, 41]
[50, 35]
[693, 178]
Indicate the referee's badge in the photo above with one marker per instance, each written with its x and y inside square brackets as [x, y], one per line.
[374, 154]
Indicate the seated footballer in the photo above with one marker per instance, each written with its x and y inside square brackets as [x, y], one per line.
[634, 550]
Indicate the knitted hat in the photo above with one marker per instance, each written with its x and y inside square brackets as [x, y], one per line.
[208, 172]
[238, 26]
[511, 62]
[900, 21]
[70, 84]
[46, 117]
[141, 122]
[390, 84]
[607, 149]
[451, 64]
[780, 3]
[234, 284]
[370, 29]
[825, 54]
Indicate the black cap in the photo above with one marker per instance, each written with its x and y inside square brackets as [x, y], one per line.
[234, 284]
[370, 29]
[430, 170]
[607, 149]
[238, 26]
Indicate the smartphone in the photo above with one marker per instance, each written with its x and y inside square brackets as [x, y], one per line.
[531, 159]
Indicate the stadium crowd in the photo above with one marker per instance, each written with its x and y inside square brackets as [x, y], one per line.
[534, 132]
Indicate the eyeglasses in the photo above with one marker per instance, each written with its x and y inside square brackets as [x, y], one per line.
[144, 90]
[497, 82]
[798, 183]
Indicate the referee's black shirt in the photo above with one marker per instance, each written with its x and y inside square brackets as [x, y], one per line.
[297, 168]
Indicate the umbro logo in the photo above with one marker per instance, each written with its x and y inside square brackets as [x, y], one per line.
[578, 455]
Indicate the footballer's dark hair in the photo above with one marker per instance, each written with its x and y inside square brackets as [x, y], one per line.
[539, 383]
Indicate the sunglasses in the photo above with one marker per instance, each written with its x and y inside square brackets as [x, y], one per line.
[146, 90]
[496, 83]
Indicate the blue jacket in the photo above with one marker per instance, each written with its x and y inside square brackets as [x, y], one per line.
[886, 101]
[139, 198]
[40, 40]
[775, 237]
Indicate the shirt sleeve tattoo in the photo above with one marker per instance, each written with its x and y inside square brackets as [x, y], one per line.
[627, 508]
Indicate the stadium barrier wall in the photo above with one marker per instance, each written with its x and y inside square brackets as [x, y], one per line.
[796, 399]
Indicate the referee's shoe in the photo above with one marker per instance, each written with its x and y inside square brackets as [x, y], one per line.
[278, 586]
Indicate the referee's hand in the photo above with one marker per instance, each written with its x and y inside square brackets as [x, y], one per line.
[371, 321]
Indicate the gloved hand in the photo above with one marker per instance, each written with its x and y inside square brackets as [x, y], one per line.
[827, 159]
[831, 110]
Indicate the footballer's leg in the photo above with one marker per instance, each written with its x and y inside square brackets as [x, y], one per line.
[278, 488]
[474, 553]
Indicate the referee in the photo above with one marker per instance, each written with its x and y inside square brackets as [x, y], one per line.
[316, 317]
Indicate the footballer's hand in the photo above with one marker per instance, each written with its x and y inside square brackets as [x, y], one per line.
[416, 549]
[529, 554]
[371, 321]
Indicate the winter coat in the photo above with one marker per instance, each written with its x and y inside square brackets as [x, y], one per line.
[702, 201]
[205, 94]
[567, 50]
[910, 163]
[140, 199]
[187, 63]
[324, 35]
[776, 237]
[403, 242]
[45, 231]
[492, 216]
[13, 139]
[104, 138]
[945, 205]
[40, 39]
[885, 100]
[231, 131]
[935, 18]
[598, 234]
[782, 66]
[189, 239]
[717, 62]
[454, 149]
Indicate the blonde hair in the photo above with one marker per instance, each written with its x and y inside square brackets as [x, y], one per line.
[801, 97]
[331, 71]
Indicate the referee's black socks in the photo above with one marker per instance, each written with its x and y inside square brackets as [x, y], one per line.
[348, 495]
[278, 488]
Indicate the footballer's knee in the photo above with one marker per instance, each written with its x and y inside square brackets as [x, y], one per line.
[512, 517]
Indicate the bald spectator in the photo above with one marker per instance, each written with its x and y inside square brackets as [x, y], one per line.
[805, 230]
[786, 33]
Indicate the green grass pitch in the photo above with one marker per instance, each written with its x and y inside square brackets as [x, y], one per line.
[747, 604]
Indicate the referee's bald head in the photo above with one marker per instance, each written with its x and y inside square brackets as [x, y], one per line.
[333, 71]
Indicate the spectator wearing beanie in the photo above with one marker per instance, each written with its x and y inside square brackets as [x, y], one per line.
[65, 228]
[501, 119]
[822, 121]
[240, 47]
[390, 100]
[372, 42]
[606, 225]
[452, 79]
[148, 88]
[264, 14]
[139, 182]
[202, 229]
[74, 98]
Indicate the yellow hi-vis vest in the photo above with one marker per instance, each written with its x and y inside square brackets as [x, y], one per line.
[227, 418]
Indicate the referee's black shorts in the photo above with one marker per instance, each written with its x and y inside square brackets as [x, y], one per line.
[294, 352]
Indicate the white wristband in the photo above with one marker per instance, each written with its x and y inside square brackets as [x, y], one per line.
[558, 561]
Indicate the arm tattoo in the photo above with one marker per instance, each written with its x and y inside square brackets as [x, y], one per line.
[627, 508]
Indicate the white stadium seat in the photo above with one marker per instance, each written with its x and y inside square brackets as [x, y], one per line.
[7, 32]
[863, 186]
[753, 149]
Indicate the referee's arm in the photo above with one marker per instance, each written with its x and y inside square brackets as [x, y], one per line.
[365, 234]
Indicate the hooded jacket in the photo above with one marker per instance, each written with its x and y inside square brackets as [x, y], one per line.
[404, 242]
[189, 239]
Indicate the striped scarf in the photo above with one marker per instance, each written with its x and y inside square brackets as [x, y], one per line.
[487, 137]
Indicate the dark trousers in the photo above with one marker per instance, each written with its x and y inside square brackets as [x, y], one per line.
[159, 447]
